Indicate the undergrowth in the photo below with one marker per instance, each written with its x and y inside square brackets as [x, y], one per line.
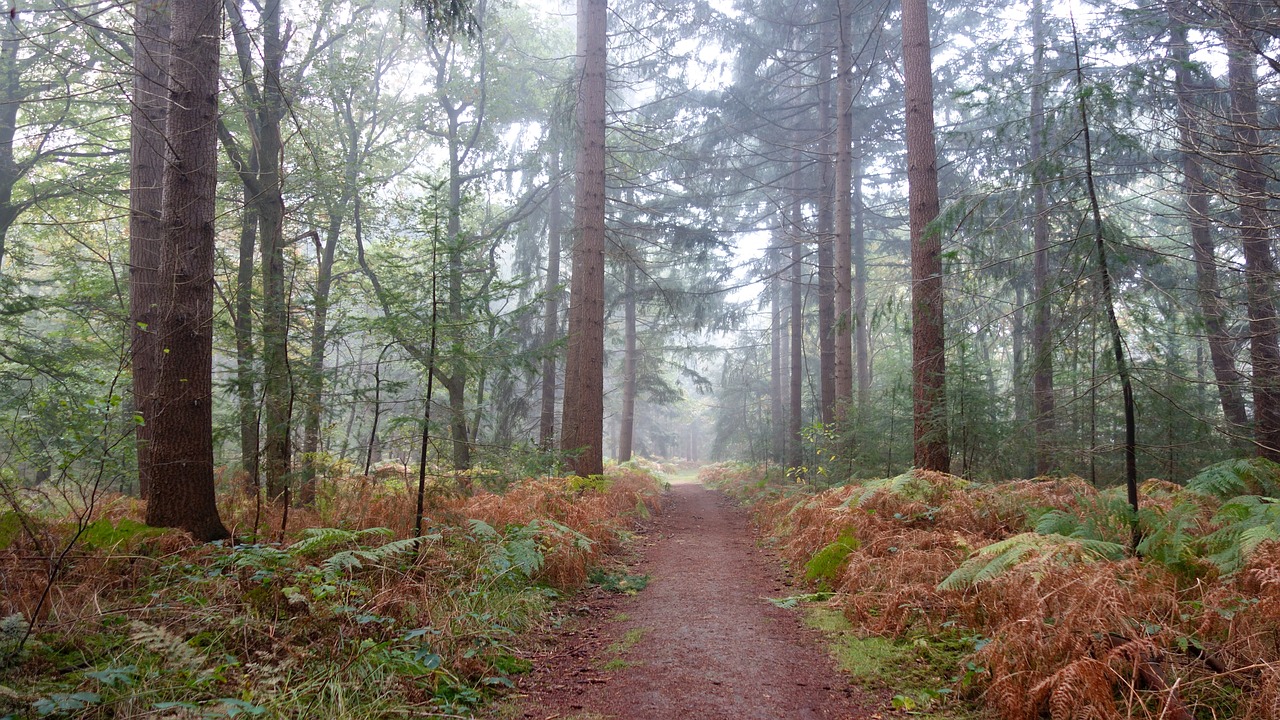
[1031, 594]
[346, 617]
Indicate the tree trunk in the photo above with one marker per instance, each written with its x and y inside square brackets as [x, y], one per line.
[320, 320]
[1197, 193]
[263, 180]
[246, 376]
[1108, 299]
[1041, 327]
[454, 372]
[277, 376]
[861, 330]
[626, 427]
[777, 426]
[1255, 230]
[146, 153]
[928, 348]
[844, 217]
[583, 420]
[795, 457]
[551, 319]
[181, 456]
[825, 200]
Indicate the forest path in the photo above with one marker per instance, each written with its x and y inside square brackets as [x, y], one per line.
[699, 642]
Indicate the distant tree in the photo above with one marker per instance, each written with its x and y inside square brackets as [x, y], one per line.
[1041, 326]
[1251, 198]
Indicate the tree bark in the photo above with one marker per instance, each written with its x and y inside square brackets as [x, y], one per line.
[1042, 397]
[777, 415]
[927, 336]
[1197, 192]
[583, 419]
[1255, 229]
[146, 153]
[861, 329]
[181, 457]
[627, 423]
[262, 175]
[795, 457]
[825, 199]
[246, 373]
[551, 318]
[844, 217]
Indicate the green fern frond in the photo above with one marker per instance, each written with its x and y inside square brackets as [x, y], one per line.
[169, 646]
[355, 559]
[1242, 476]
[993, 560]
[318, 538]
[1245, 523]
[1058, 522]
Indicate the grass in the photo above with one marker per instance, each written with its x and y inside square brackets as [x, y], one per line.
[629, 640]
[918, 670]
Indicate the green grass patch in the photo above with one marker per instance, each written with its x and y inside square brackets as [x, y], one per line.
[923, 671]
[825, 566]
[629, 640]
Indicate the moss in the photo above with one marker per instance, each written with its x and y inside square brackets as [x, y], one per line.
[105, 535]
[10, 528]
[866, 658]
[922, 670]
[825, 565]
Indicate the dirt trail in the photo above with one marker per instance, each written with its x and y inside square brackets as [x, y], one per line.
[699, 642]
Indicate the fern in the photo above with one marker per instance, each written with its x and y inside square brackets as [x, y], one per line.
[169, 646]
[909, 486]
[1245, 523]
[1169, 538]
[993, 560]
[317, 538]
[348, 560]
[1248, 476]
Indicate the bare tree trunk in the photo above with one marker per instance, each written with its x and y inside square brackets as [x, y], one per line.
[1197, 193]
[1108, 299]
[861, 330]
[181, 457]
[246, 376]
[263, 180]
[795, 457]
[583, 420]
[928, 348]
[146, 152]
[776, 412]
[825, 200]
[844, 216]
[1255, 228]
[627, 424]
[1041, 328]
[454, 373]
[551, 319]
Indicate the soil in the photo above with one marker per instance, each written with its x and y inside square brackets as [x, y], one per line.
[701, 641]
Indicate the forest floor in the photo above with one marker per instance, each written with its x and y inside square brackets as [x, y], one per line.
[700, 641]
